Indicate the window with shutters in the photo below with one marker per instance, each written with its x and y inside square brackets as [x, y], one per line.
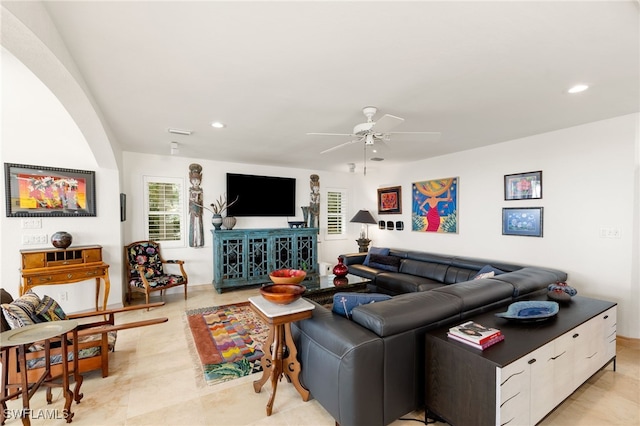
[336, 214]
[164, 209]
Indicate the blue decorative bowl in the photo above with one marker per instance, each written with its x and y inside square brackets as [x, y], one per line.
[530, 311]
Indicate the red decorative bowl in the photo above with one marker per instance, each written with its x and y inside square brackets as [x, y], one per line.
[282, 294]
[287, 276]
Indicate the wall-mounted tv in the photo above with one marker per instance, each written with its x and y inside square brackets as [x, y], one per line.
[261, 195]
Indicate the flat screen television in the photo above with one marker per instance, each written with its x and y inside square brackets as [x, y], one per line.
[261, 195]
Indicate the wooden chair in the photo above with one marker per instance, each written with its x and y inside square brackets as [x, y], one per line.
[146, 272]
[96, 338]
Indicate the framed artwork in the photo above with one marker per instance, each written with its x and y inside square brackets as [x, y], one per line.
[435, 206]
[382, 224]
[390, 200]
[524, 221]
[523, 186]
[33, 191]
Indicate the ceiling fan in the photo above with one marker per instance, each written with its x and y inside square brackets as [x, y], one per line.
[372, 132]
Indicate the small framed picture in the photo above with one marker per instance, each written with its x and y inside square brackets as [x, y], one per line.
[399, 225]
[523, 221]
[382, 224]
[390, 200]
[390, 225]
[523, 186]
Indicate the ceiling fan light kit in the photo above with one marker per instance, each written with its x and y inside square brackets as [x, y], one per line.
[371, 132]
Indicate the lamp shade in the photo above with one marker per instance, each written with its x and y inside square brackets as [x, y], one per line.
[363, 216]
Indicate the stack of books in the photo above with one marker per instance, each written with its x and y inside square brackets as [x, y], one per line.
[476, 335]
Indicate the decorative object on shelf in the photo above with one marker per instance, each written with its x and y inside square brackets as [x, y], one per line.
[530, 311]
[523, 221]
[399, 225]
[314, 203]
[435, 206]
[287, 276]
[216, 221]
[365, 218]
[297, 224]
[390, 200]
[523, 186]
[305, 215]
[561, 292]
[340, 270]
[282, 294]
[61, 239]
[37, 191]
[229, 222]
[196, 228]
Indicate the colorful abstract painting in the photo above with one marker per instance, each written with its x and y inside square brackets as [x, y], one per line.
[435, 206]
[50, 192]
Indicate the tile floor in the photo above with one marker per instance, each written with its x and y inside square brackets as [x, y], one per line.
[154, 381]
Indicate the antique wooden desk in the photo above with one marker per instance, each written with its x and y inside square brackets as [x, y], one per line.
[64, 266]
[280, 353]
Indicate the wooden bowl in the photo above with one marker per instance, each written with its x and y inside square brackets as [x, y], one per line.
[282, 294]
[287, 276]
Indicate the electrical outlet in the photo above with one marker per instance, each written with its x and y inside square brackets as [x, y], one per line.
[63, 296]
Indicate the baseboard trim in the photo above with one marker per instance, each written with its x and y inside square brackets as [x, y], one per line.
[628, 342]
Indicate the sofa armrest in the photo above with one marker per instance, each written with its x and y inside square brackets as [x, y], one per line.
[407, 312]
[353, 258]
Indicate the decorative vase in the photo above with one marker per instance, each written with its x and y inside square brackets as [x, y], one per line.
[229, 222]
[340, 270]
[61, 239]
[305, 215]
[216, 221]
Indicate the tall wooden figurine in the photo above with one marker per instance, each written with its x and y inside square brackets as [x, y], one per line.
[196, 231]
[314, 203]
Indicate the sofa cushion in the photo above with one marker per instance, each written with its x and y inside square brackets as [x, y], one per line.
[344, 302]
[386, 263]
[477, 293]
[49, 310]
[5, 297]
[488, 268]
[398, 283]
[22, 311]
[434, 271]
[375, 250]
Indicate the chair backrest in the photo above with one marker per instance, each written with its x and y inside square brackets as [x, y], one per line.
[145, 253]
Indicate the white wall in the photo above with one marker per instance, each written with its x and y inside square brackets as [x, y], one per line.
[589, 181]
[38, 130]
[199, 261]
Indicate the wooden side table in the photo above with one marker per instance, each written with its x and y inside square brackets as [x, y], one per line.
[23, 337]
[280, 353]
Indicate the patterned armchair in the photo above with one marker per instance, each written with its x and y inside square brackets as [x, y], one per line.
[146, 272]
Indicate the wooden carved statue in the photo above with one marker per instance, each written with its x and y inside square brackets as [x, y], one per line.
[314, 203]
[196, 231]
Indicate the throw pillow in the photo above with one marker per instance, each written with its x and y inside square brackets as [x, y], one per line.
[49, 310]
[22, 311]
[485, 275]
[386, 263]
[344, 302]
[488, 268]
[375, 250]
[5, 297]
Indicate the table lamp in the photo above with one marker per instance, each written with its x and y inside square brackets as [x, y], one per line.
[365, 218]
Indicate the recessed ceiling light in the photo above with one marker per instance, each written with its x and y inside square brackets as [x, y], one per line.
[218, 125]
[578, 88]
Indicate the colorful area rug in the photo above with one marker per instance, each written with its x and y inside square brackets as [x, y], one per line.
[228, 340]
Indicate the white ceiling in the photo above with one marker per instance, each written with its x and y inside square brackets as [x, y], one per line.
[478, 72]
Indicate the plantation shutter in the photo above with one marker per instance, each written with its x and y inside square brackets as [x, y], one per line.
[336, 211]
[164, 209]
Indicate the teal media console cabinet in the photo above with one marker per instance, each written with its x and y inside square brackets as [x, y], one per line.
[244, 257]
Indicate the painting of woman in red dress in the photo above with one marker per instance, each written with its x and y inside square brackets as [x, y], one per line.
[435, 206]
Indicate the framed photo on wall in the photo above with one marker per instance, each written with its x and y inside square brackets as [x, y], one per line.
[523, 221]
[33, 191]
[390, 200]
[523, 186]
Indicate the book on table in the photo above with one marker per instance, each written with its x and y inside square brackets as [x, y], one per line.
[474, 332]
[482, 346]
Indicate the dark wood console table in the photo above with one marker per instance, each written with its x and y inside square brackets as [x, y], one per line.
[521, 379]
[65, 266]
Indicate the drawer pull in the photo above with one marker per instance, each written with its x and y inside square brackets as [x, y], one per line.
[509, 378]
[576, 335]
[65, 262]
[91, 273]
[45, 278]
[531, 361]
[558, 356]
[69, 275]
[606, 316]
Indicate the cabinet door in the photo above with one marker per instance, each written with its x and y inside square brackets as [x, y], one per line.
[232, 254]
[589, 350]
[283, 253]
[258, 259]
[513, 392]
[610, 331]
[306, 252]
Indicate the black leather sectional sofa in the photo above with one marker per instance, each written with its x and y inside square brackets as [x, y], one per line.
[369, 370]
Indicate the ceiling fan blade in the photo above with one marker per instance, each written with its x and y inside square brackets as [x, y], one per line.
[329, 134]
[340, 146]
[386, 123]
[414, 133]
